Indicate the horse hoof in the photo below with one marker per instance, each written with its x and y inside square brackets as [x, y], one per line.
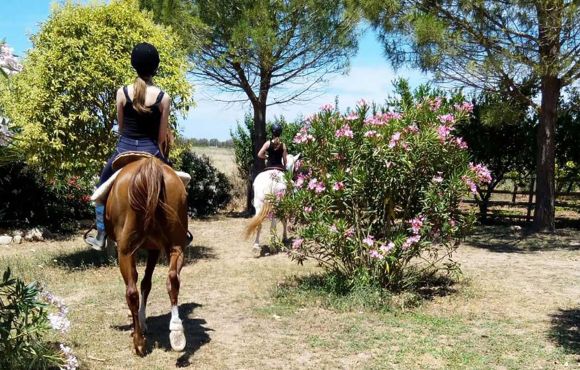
[257, 251]
[177, 339]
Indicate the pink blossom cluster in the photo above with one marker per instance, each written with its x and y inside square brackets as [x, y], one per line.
[470, 184]
[58, 321]
[394, 139]
[344, 131]
[362, 103]
[435, 104]
[303, 136]
[461, 144]
[8, 62]
[443, 132]
[300, 179]
[352, 116]
[417, 224]
[348, 233]
[383, 119]
[317, 186]
[464, 107]
[372, 133]
[483, 174]
[339, 185]
[72, 363]
[446, 118]
[307, 209]
[412, 128]
[411, 241]
[382, 251]
[327, 107]
[369, 240]
[297, 243]
[438, 178]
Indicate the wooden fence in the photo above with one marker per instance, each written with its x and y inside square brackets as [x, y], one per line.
[524, 200]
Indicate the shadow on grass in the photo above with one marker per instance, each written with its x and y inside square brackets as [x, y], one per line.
[504, 239]
[158, 333]
[565, 330]
[334, 291]
[83, 259]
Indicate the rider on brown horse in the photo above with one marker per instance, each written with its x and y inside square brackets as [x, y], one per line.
[143, 115]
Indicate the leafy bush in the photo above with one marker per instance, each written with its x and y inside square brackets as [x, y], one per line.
[377, 197]
[29, 200]
[24, 321]
[209, 189]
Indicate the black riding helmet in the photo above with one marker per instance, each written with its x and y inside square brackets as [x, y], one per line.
[276, 130]
[145, 59]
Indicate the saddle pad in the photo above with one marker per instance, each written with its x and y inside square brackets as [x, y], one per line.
[100, 195]
[125, 158]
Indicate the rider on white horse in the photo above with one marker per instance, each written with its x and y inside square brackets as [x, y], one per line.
[269, 182]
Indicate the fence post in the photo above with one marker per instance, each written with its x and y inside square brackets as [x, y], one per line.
[531, 200]
[514, 195]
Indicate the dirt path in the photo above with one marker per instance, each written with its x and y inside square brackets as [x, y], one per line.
[518, 308]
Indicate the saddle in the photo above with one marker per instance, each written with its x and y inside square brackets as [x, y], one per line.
[123, 159]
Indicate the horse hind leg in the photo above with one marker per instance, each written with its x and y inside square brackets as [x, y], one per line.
[129, 272]
[152, 257]
[176, 335]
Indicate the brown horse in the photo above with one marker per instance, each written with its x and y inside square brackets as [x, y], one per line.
[147, 208]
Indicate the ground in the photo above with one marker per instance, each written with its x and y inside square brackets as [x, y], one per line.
[517, 305]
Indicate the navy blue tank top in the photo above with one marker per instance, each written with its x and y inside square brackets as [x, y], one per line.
[275, 156]
[141, 125]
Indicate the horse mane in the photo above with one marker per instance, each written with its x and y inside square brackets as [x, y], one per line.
[147, 194]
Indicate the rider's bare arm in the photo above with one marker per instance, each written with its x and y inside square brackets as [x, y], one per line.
[164, 124]
[262, 152]
[120, 105]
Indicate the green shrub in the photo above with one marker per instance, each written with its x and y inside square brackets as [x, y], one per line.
[28, 199]
[24, 321]
[377, 196]
[209, 189]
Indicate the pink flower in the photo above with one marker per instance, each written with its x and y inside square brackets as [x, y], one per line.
[280, 194]
[312, 184]
[339, 185]
[435, 104]
[300, 181]
[410, 241]
[327, 107]
[438, 178]
[446, 118]
[394, 139]
[371, 133]
[307, 209]
[320, 187]
[353, 116]
[387, 248]
[483, 174]
[443, 132]
[333, 228]
[303, 136]
[412, 128]
[464, 107]
[382, 119]
[369, 240]
[469, 182]
[362, 103]
[461, 144]
[373, 253]
[344, 131]
[349, 232]
[297, 243]
[297, 165]
[416, 224]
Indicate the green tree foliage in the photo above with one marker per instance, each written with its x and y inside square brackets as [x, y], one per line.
[271, 51]
[62, 105]
[508, 46]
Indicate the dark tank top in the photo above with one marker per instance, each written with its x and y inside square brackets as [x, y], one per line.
[141, 125]
[275, 156]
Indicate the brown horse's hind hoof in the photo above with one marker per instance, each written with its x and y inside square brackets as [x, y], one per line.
[177, 339]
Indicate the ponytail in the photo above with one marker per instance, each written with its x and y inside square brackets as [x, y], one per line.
[139, 90]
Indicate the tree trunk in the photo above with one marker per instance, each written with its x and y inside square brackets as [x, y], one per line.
[549, 26]
[258, 139]
[545, 210]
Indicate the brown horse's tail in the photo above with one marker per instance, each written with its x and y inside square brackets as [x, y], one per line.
[147, 194]
[257, 219]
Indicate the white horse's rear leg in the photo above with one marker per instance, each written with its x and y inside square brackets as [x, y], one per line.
[256, 248]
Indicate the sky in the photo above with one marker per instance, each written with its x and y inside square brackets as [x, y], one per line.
[370, 77]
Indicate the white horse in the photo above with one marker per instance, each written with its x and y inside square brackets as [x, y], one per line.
[270, 182]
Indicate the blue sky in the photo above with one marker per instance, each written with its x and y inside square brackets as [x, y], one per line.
[369, 77]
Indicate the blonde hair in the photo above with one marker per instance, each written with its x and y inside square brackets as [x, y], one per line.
[139, 92]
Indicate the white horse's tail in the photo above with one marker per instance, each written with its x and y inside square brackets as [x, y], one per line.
[258, 219]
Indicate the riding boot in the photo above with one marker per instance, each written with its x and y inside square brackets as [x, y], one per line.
[98, 242]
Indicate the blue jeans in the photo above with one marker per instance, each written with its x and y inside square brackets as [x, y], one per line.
[131, 145]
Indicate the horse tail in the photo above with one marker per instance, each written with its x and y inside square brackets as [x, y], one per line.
[147, 194]
[257, 219]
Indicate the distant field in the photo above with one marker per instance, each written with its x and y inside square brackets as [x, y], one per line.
[222, 158]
